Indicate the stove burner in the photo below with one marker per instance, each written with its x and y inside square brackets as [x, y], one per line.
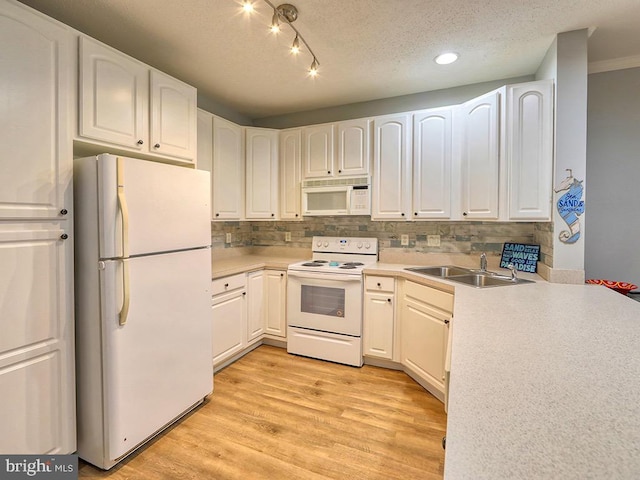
[347, 266]
[320, 261]
[355, 264]
[313, 264]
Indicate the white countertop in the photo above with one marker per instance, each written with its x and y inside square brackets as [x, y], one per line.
[545, 383]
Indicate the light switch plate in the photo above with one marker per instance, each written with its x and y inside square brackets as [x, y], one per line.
[404, 240]
[227, 238]
[287, 236]
[433, 240]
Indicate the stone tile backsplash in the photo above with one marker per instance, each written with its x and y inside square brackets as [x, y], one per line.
[455, 237]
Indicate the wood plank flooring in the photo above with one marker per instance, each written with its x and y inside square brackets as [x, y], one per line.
[278, 416]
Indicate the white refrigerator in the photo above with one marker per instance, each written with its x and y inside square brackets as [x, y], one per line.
[143, 300]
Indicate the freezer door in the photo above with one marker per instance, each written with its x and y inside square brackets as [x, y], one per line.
[159, 363]
[161, 207]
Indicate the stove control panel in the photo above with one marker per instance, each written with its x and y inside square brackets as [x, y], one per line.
[345, 245]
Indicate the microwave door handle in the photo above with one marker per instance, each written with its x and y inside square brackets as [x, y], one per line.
[325, 276]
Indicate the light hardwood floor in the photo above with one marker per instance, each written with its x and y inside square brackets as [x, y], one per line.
[278, 416]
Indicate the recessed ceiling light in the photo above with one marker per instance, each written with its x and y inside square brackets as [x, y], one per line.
[446, 58]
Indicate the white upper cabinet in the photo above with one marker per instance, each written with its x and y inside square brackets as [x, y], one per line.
[126, 104]
[290, 176]
[337, 149]
[173, 117]
[114, 96]
[391, 189]
[228, 170]
[261, 174]
[528, 150]
[480, 156]
[354, 139]
[318, 151]
[432, 163]
[35, 105]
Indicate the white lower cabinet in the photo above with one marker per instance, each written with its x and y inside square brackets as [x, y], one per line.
[425, 315]
[275, 301]
[247, 308]
[255, 305]
[379, 316]
[229, 317]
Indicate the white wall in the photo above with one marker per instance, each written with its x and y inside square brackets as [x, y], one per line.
[570, 147]
[612, 246]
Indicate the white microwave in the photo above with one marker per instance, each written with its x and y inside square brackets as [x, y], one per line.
[340, 196]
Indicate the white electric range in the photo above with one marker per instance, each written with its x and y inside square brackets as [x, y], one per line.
[324, 299]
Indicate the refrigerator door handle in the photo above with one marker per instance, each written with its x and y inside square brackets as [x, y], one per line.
[124, 311]
[122, 204]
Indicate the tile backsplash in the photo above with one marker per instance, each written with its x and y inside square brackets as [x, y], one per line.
[455, 237]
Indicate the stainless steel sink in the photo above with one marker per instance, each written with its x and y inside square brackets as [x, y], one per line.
[443, 272]
[468, 276]
[483, 280]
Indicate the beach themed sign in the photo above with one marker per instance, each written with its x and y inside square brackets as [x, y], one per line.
[570, 206]
[524, 257]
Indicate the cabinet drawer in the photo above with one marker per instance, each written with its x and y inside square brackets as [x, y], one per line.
[379, 284]
[431, 296]
[227, 284]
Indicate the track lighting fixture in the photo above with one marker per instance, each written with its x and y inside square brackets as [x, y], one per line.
[287, 13]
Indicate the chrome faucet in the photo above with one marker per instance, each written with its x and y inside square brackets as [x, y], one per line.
[483, 262]
[514, 275]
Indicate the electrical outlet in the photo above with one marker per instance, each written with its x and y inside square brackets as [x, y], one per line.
[404, 240]
[287, 236]
[433, 240]
[227, 238]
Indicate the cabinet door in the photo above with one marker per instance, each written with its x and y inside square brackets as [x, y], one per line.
[529, 150]
[424, 341]
[275, 303]
[318, 151]
[354, 147]
[480, 157]
[261, 173]
[290, 176]
[378, 325]
[391, 167]
[432, 160]
[229, 316]
[173, 117]
[35, 87]
[114, 93]
[228, 170]
[37, 378]
[255, 305]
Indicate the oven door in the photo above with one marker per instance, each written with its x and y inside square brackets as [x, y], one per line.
[327, 302]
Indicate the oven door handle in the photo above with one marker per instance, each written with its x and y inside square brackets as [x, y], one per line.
[325, 276]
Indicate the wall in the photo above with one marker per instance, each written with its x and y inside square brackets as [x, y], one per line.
[613, 172]
[469, 238]
[404, 103]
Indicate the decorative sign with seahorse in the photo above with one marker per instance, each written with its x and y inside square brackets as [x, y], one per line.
[570, 206]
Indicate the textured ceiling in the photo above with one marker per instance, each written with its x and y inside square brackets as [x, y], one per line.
[367, 49]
